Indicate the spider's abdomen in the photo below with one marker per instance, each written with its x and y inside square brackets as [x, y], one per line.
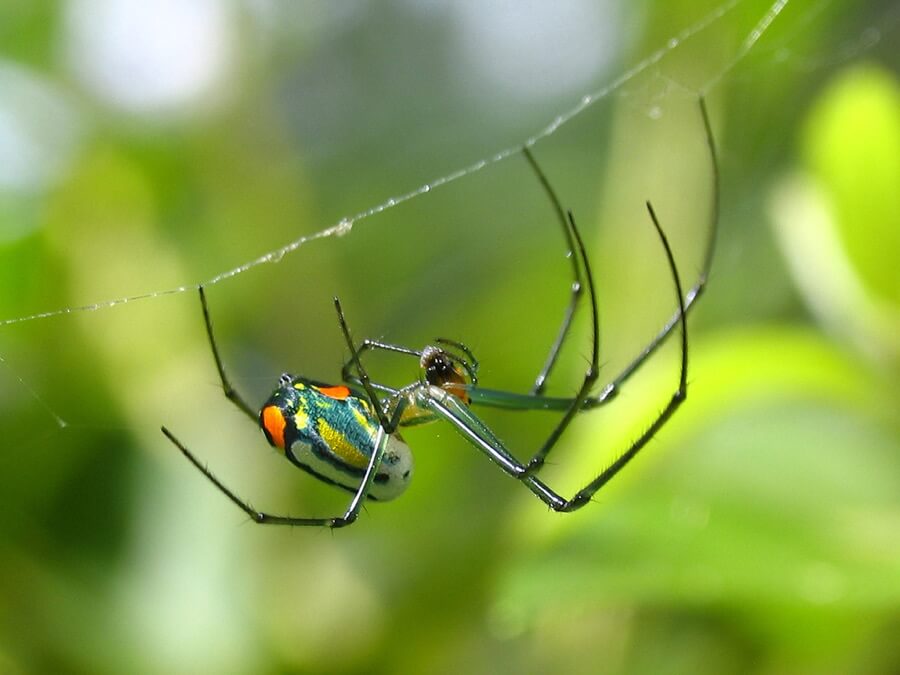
[330, 432]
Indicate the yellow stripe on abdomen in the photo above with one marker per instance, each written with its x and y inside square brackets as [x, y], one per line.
[341, 446]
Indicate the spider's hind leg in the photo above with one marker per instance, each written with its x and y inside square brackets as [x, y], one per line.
[575, 290]
[693, 293]
[260, 517]
[230, 392]
[593, 369]
[678, 397]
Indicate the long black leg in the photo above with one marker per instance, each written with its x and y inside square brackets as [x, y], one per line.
[257, 516]
[263, 518]
[593, 369]
[575, 291]
[584, 495]
[363, 378]
[611, 389]
[230, 392]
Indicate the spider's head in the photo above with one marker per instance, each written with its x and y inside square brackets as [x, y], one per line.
[443, 370]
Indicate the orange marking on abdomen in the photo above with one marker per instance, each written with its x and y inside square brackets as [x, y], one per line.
[273, 423]
[338, 392]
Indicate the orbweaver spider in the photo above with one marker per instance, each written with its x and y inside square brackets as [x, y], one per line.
[348, 435]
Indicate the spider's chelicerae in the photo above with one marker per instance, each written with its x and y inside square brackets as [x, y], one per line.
[348, 435]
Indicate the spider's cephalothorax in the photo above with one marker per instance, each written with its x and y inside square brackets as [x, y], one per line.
[439, 367]
[330, 432]
[441, 371]
[348, 436]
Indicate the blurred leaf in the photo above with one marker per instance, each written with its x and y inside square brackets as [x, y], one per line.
[839, 223]
[852, 147]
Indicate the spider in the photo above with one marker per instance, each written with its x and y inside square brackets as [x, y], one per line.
[348, 435]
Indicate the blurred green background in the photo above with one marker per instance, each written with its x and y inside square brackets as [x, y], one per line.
[146, 147]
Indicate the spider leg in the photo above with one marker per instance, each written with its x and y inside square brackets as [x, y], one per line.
[346, 370]
[611, 389]
[678, 397]
[452, 410]
[258, 516]
[363, 379]
[576, 288]
[593, 370]
[262, 518]
[230, 392]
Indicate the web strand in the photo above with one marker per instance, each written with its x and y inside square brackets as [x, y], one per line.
[749, 42]
[59, 421]
[346, 225]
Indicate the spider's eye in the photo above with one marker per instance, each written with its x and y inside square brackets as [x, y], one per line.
[285, 380]
[441, 371]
